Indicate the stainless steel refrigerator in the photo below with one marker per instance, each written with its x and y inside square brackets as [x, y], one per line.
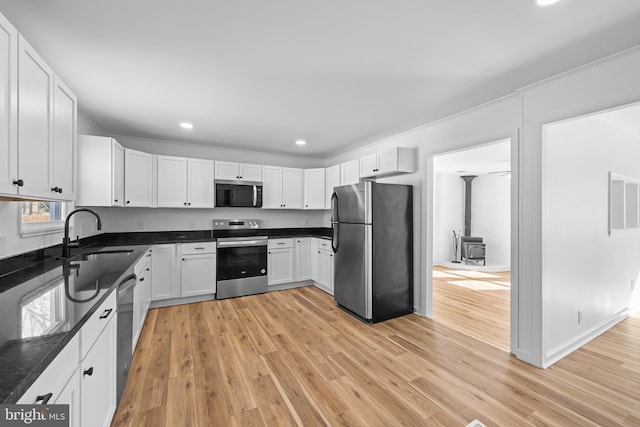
[373, 244]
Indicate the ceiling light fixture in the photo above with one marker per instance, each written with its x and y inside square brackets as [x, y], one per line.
[545, 2]
[301, 142]
[186, 125]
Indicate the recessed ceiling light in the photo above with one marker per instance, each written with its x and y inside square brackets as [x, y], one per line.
[186, 125]
[301, 142]
[545, 2]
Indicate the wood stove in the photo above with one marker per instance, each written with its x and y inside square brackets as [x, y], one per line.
[472, 249]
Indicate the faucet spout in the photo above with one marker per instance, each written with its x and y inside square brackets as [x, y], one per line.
[66, 241]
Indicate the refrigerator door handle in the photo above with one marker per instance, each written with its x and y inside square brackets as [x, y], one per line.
[335, 239]
[334, 207]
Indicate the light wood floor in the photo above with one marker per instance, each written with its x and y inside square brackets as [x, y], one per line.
[475, 303]
[292, 358]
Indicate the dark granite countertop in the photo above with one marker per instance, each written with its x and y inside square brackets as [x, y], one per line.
[30, 340]
[42, 307]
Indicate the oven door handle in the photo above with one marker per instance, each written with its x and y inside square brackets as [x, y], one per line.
[242, 243]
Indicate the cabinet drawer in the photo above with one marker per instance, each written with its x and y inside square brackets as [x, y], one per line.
[199, 248]
[56, 376]
[98, 321]
[280, 243]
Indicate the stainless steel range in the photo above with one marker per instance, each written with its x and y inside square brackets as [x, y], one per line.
[241, 260]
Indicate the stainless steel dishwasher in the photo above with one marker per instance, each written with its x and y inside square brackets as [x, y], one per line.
[125, 330]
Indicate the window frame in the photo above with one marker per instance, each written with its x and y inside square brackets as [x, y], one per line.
[28, 229]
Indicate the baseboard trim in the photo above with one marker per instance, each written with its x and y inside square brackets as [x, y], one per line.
[560, 352]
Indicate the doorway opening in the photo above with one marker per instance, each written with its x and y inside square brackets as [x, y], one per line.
[472, 241]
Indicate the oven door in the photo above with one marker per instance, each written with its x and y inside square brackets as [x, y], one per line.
[241, 262]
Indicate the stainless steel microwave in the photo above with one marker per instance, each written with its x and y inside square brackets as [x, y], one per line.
[238, 194]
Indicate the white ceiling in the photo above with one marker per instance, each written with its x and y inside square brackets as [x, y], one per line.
[339, 73]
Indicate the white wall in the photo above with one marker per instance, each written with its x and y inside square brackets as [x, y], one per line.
[583, 267]
[448, 197]
[491, 216]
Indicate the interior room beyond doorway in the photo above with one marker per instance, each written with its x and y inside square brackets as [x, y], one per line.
[472, 241]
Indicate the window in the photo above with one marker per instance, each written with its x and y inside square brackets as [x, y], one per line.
[42, 217]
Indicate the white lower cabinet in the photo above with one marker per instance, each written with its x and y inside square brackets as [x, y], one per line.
[141, 295]
[165, 284]
[322, 264]
[302, 258]
[98, 379]
[198, 268]
[280, 267]
[70, 395]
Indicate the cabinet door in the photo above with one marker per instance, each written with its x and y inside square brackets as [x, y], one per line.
[314, 194]
[8, 107]
[388, 161]
[200, 184]
[332, 179]
[292, 188]
[98, 383]
[63, 149]
[137, 178]
[315, 260]
[198, 274]
[272, 187]
[368, 165]
[172, 182]
[35, 92]
[250, 172]
[227, 170]
[70, 395]
[280, 266]
[350, 172]
[303, 259]
[117, 173]
[163, 270]
[325, 271]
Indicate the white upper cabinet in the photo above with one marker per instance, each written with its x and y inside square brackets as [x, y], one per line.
[389, 162]
[63, 149]
[172, 182]
[100, 171]
[138, 175]
[350, 172]
[332, 180]
[314, 193]
[8, 107]
[236, 171]
[35, 94]
[37, 124]
[283, 188]
[184, 182]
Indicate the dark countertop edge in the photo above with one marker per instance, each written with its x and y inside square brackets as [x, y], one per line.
[28, 381]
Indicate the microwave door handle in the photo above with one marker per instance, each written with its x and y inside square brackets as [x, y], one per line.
[255, 195]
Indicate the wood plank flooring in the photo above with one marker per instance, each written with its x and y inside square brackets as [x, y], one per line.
[473, 302]
[292, 358]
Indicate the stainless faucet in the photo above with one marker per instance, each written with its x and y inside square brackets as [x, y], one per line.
[66, 242]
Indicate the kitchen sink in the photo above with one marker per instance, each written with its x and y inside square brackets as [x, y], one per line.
[92, 256]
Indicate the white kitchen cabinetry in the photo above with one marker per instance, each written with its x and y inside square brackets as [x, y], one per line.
[198, 268]
[283, 188]
[389, 162]
[314, 193]
[322, 264]
[236, 171]
[184, 182]
[332, 180]
[63, 149]
[100, 171]
[98, 379]
[350, 172]
[138, 176]
[141, 295]
[70, 395]
[165, 282]
[280, 267]
[302, 256]
[8, 107]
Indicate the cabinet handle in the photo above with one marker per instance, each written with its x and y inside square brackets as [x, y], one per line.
[318, 251]
[185, 203]
[54, 189]
[269, 252]
[116, 200]
[106, 313]
[189, 204]
[128, 201]
[146, 269]
[44, 398]
[183, 259]
[142, 279]
[281, 243]
[198, 249]
[60, 190]
[88, 371]
[18, 182]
